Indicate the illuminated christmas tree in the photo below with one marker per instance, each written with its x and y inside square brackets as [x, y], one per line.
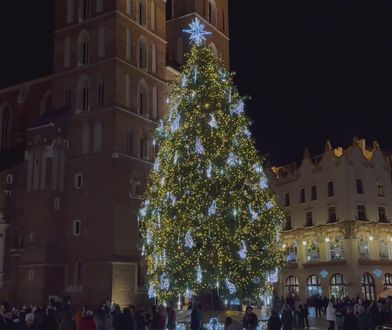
[209, 220]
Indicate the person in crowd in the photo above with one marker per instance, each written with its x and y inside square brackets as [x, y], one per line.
[140, 319]
[382, 315]
[67, 323]
[274, 322]
[231, 324]
[324, 304]
[103, 314]
[49, 321]
[126, 320]
[78, 317]
[196, 318]
[287, 318]
[350, 320]
[116, 316]
[363, 319]
[330, 316]
[171, 317]
[339, 313]
[299, 315]
[28, 323]
[318, 306]
[306, 315]
[250, 321]
[87, 322]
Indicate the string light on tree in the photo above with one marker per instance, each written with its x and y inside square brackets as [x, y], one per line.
[209, 174]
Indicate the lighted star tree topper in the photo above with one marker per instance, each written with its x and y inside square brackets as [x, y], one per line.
[209, 219]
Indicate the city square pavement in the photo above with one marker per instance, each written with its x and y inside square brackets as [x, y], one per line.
[184, 317]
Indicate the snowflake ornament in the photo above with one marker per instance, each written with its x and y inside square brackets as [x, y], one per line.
[197, 32]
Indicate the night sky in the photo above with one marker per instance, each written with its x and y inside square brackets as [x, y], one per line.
[323, 69]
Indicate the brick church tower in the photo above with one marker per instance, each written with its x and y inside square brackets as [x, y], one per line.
[69, 220]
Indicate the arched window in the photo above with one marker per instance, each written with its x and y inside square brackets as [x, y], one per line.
[154, 59]
[387, 281]
[385, 250]
[338, 287]
[144, 148]
[128, 49]
[129, 7]
[99, 7]
[101, 42]
[292, 286]
[67, 96]
[128, 91]
[214, 49]
[142, 12]
[67, 53]
[85, 138]
[313, 251]
[153, 15]
[336, 250]
[142, 54]
[143, 97]
[135, 186]
[84, 10]
[368, 287]
[212, 12]
[154, 102]
[180, 51]
[130, 141]
[100, 93]
[83, 94]
[70, 11]
[292, 252]
[5, 126]
[287, 199]
[46, 103]
[314, 286]
[83, 48]
[97, 136]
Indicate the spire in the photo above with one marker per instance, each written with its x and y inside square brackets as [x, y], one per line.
[328, 145]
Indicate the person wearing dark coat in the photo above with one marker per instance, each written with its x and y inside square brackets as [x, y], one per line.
[350, 320]
[287, 318]
[116, 316]
[49, 322]
[67, 323]
[274, 321]
[250, 321]
[140, 319]
[126, 320]
[196, 318]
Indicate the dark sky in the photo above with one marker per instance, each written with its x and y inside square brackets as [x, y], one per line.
[314, 69]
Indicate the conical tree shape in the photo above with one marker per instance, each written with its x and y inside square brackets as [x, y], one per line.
[208, 219]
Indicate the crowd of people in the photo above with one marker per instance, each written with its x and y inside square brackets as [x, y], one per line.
[341, 314]
[61, 317]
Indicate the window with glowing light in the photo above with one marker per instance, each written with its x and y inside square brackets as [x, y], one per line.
[313, 251]
[338, 286]
[292, 286]
[387, 281]
[313, 286]
[363, 245]
[368, 287]
[336, 250]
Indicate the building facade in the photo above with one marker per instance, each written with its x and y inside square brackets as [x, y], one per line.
[338, 232]
[77, 147]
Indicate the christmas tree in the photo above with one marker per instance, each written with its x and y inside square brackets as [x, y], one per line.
[208, 220]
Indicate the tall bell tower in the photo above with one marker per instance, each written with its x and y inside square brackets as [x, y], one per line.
[179, 13]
